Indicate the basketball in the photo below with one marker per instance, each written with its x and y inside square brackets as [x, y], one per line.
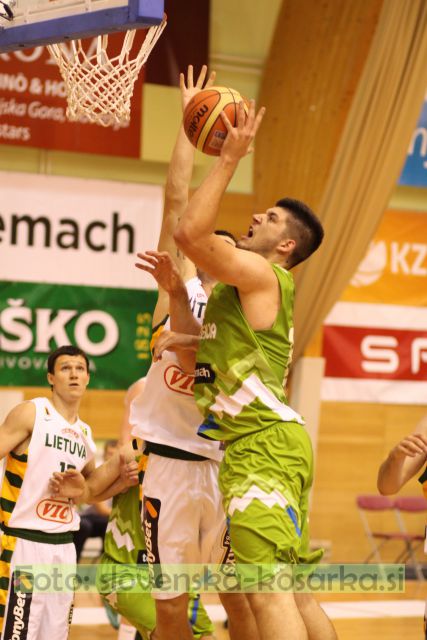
[203, 124]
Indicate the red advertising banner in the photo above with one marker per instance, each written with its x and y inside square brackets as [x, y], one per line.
[375, 337]
[361, 352]
[33, 106]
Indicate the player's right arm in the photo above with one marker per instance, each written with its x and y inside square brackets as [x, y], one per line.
[177, 190]
[404, 461]
[16, 430]
[101, 483]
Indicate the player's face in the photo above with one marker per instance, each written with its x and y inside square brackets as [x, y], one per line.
[266, 231]
[70, 376]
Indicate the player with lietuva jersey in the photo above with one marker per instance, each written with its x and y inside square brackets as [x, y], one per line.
[41, 437]
[242, 360]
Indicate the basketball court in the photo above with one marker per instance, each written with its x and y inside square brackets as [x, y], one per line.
[354, 618]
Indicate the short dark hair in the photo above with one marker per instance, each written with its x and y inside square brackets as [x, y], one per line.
[66, 350]
[306, 228]
[227, 234]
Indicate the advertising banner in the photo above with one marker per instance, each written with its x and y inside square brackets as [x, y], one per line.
[375, 338]
[33, 106]
[74, 231]
[113, 327]
[67, 275]
[415, 169]
[33, 96]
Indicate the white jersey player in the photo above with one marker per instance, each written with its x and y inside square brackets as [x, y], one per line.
[38, 438]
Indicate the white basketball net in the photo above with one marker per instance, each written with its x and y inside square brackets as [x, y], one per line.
[99, 89]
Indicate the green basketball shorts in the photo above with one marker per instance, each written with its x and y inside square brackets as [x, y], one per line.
[114, 583]
[265, 479]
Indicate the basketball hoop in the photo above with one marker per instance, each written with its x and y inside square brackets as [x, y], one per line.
[99, 89]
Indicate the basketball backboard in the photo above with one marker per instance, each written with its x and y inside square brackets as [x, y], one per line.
[41, 22]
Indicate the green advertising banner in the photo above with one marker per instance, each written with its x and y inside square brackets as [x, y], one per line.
[113, 326]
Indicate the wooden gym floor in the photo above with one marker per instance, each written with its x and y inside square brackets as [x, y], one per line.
[369, 617]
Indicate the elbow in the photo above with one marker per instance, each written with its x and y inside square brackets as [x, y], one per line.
[384, 489]
[380, 486]
[181, 236]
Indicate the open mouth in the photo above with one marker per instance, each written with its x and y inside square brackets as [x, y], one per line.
[250, 232]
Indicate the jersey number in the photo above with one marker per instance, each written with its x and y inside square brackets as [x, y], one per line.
[64, 466]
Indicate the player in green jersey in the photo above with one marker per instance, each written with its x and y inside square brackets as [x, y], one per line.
[242, 362]
[123, 571]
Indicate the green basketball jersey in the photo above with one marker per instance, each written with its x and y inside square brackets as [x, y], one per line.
[241, 373]
[124, 540]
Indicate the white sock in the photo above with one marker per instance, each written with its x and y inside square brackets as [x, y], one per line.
[126, 632]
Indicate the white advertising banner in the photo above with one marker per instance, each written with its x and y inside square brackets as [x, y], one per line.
[76, 231]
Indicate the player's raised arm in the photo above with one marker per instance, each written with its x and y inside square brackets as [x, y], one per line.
[177, 189]
[195, 231]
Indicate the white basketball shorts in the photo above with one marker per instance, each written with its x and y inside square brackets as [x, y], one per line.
[183, 517]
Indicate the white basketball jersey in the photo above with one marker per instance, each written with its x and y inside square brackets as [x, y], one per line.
[165, 412]
[55, 445]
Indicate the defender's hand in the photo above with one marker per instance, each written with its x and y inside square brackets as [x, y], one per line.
[160, 265]
[189, 89]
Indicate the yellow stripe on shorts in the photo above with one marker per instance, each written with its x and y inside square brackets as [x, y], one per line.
[7, 547]
[12, 483]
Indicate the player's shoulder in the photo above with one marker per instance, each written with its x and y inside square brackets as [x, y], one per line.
[22, 415]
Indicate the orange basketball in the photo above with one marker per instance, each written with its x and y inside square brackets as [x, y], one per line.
[203, 124]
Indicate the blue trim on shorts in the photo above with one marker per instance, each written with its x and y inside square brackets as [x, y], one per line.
[208, 424]
[194, 610]
[291, 513]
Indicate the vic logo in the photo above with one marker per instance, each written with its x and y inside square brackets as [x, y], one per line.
[55, 511]
[178, 380]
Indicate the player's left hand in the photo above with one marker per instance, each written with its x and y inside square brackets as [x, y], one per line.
[160, 265]
[68, 484]
[173, 341]
[129, 472]
[239, 140]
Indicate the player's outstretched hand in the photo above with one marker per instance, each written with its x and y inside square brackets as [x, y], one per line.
[239, 140]
[68, 484]
[189, 89]
[173, 341]
[411, 446]
[129, 472]
[160, 265]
